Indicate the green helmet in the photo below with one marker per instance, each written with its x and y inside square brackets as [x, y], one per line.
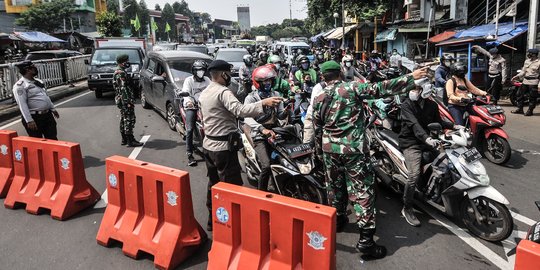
[122, 58]
[274, 59]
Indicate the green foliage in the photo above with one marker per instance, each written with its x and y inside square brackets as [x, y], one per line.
[167, 16]
[113, 6]
[183, 8]
[46, 17]
[131, 9]
[287, 28]
[157, 7]
[206, 18]
[144, 16]
[109, 24]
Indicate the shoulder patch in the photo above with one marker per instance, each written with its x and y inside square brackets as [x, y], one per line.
[20, 92]
[20, 82]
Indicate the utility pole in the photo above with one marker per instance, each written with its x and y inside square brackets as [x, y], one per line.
[533, 19]
[487, 11]
[343, 24]
[497, 20]
[290, 13]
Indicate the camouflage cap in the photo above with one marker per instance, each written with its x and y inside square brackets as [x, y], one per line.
[122, 58]
[329, 66]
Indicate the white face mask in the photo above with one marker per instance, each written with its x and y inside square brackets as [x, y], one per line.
[200, 73]
[348, 64]
[277, 66]
[413, 95]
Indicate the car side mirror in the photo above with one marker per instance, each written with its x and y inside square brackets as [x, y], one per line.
[157, 78]
[86, 62]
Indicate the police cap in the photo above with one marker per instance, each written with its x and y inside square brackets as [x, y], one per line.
[330, 66]
[24, 65]
[122, 58]
[219, 65]
[533, 51]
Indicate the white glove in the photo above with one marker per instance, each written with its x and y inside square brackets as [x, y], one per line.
[432, 142]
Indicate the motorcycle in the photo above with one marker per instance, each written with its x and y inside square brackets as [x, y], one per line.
[514, 93]
[455, 182]
[293, 171]
[486, 125]
[198, 133]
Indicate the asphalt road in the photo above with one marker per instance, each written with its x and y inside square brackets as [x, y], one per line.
[39, 242]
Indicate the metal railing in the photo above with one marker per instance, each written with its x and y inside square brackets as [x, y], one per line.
[53, 72]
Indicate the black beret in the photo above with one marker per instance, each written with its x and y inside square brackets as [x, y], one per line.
[24, 65]
[219, 65]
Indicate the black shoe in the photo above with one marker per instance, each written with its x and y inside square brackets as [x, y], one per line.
[124, 139]
[529, 113]
[408, 213]
[368, 247]
[198, 152]
[131, 142]
[191, 160]
[518, 111]
[341, 222]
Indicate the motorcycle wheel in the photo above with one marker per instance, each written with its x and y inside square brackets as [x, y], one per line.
[513, 98]
[497, 223]
[301, 189]
[385, 168]
[496, 149]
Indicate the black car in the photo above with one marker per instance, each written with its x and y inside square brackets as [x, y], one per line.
[102, 65]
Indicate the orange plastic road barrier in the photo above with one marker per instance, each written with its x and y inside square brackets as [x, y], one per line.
[150, 210]
[257, 230]
[6, 161]
[49, 174]
[527, 256]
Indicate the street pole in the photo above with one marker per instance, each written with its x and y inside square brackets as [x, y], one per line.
[487, 11]
[533, 19]
[64, 25]
[429, 28]
[497, 20]
[343, 24]
[375, 33]
[290, 13]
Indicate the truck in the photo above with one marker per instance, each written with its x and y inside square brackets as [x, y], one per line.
[122, 42]
[262, 40]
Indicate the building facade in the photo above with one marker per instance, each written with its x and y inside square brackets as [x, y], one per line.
[244, 19]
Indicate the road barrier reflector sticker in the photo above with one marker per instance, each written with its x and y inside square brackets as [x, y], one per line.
[222, 215]
[171, 198]
[113, 182]
[65, 163]
[4, 149]
[18, 155]
[316, 240]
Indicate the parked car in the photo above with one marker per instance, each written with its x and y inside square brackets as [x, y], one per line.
[164, 46]
[234, 56]
[193, 48]
[103, 64]
[50, 54]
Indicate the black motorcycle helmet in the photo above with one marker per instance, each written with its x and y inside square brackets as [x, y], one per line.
[198, 66]
[303, 60]
[459, 69]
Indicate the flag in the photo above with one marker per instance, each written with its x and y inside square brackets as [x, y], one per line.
[154, 25]
[167, 27]
[136, 23]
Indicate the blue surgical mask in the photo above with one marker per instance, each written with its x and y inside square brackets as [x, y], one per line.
[305, 65]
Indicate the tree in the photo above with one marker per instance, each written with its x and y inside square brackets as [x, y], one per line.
[109, 24]
[144, 16]
[131, 9]
[47, 17]
[167, 16]
[183, 8]
[113, 6]
[206, 18]
[157, 7]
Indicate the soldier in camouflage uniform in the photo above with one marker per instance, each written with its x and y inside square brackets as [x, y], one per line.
[339, 126]
[125, 101]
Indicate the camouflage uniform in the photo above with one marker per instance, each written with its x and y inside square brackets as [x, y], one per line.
[341, 130]
[125, 101]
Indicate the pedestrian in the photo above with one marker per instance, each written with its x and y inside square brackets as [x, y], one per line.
[530, 74]
[497, 72]
[339, 126]
[37, 109]
[125, 101]
[220, 110]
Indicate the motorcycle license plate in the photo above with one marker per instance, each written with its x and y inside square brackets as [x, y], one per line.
[299, 150]
[494, 109]
[471, 155]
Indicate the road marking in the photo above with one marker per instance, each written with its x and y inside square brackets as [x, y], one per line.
[469, 240]
[59, 104]
[522, 218]
[511, 243]
[531, 152]
[104, 198]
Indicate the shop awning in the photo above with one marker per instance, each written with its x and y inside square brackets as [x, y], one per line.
[36, 37]
[506, 32]
[386, 35]
[442, 36]
[338, 32]
[414, 30]
[317, 36]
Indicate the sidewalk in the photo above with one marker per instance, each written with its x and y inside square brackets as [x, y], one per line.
[10, 109]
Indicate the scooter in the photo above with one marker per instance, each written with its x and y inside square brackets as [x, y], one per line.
[198, 133]
[514, 93]
[294, 173]
[454, 182]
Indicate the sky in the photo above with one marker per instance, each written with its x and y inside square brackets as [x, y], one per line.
[262, 11]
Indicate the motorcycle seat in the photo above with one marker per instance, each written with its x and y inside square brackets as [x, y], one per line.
[390, 137]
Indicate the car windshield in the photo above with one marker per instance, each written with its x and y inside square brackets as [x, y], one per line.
[231, 56]
[108, 56]
[305, 50]
[199, 49]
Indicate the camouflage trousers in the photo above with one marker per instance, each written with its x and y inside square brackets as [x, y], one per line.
[351, 177]
[127, 119]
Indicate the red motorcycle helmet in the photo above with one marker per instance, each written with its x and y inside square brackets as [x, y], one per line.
[263, 73]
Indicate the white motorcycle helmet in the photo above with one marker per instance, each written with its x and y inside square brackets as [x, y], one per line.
[426, 86]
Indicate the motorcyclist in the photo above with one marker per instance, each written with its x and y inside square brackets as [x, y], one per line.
[193, 85]
[349, 71]
[417, 112]
[303, 69]
[395, 59]
[263, 58]
[281, 85]
[375, 61]
[245, 72]
[261, 127]
[457, 89]
[442, 74]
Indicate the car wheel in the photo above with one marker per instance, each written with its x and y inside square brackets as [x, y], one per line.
[98, 93]
[171, 116]
[144, 102]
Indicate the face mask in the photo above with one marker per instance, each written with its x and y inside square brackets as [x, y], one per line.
[200, 74]
[227, 78]
[277, 66]
[267, 87]
[348, 64]
[127, 65]
[413, 95]
[305, 66]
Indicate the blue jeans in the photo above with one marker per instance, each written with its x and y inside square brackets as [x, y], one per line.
[191, 116]
[457, 113]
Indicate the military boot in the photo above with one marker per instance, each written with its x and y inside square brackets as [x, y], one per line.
[529, 112]
[131, 142]
[518, 111]
[124, 139]
[367, 246]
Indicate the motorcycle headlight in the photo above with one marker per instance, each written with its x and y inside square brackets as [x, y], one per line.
[305, 168]
[94, 76]
[482, 179]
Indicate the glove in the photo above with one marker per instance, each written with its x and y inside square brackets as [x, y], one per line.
[432, 142]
